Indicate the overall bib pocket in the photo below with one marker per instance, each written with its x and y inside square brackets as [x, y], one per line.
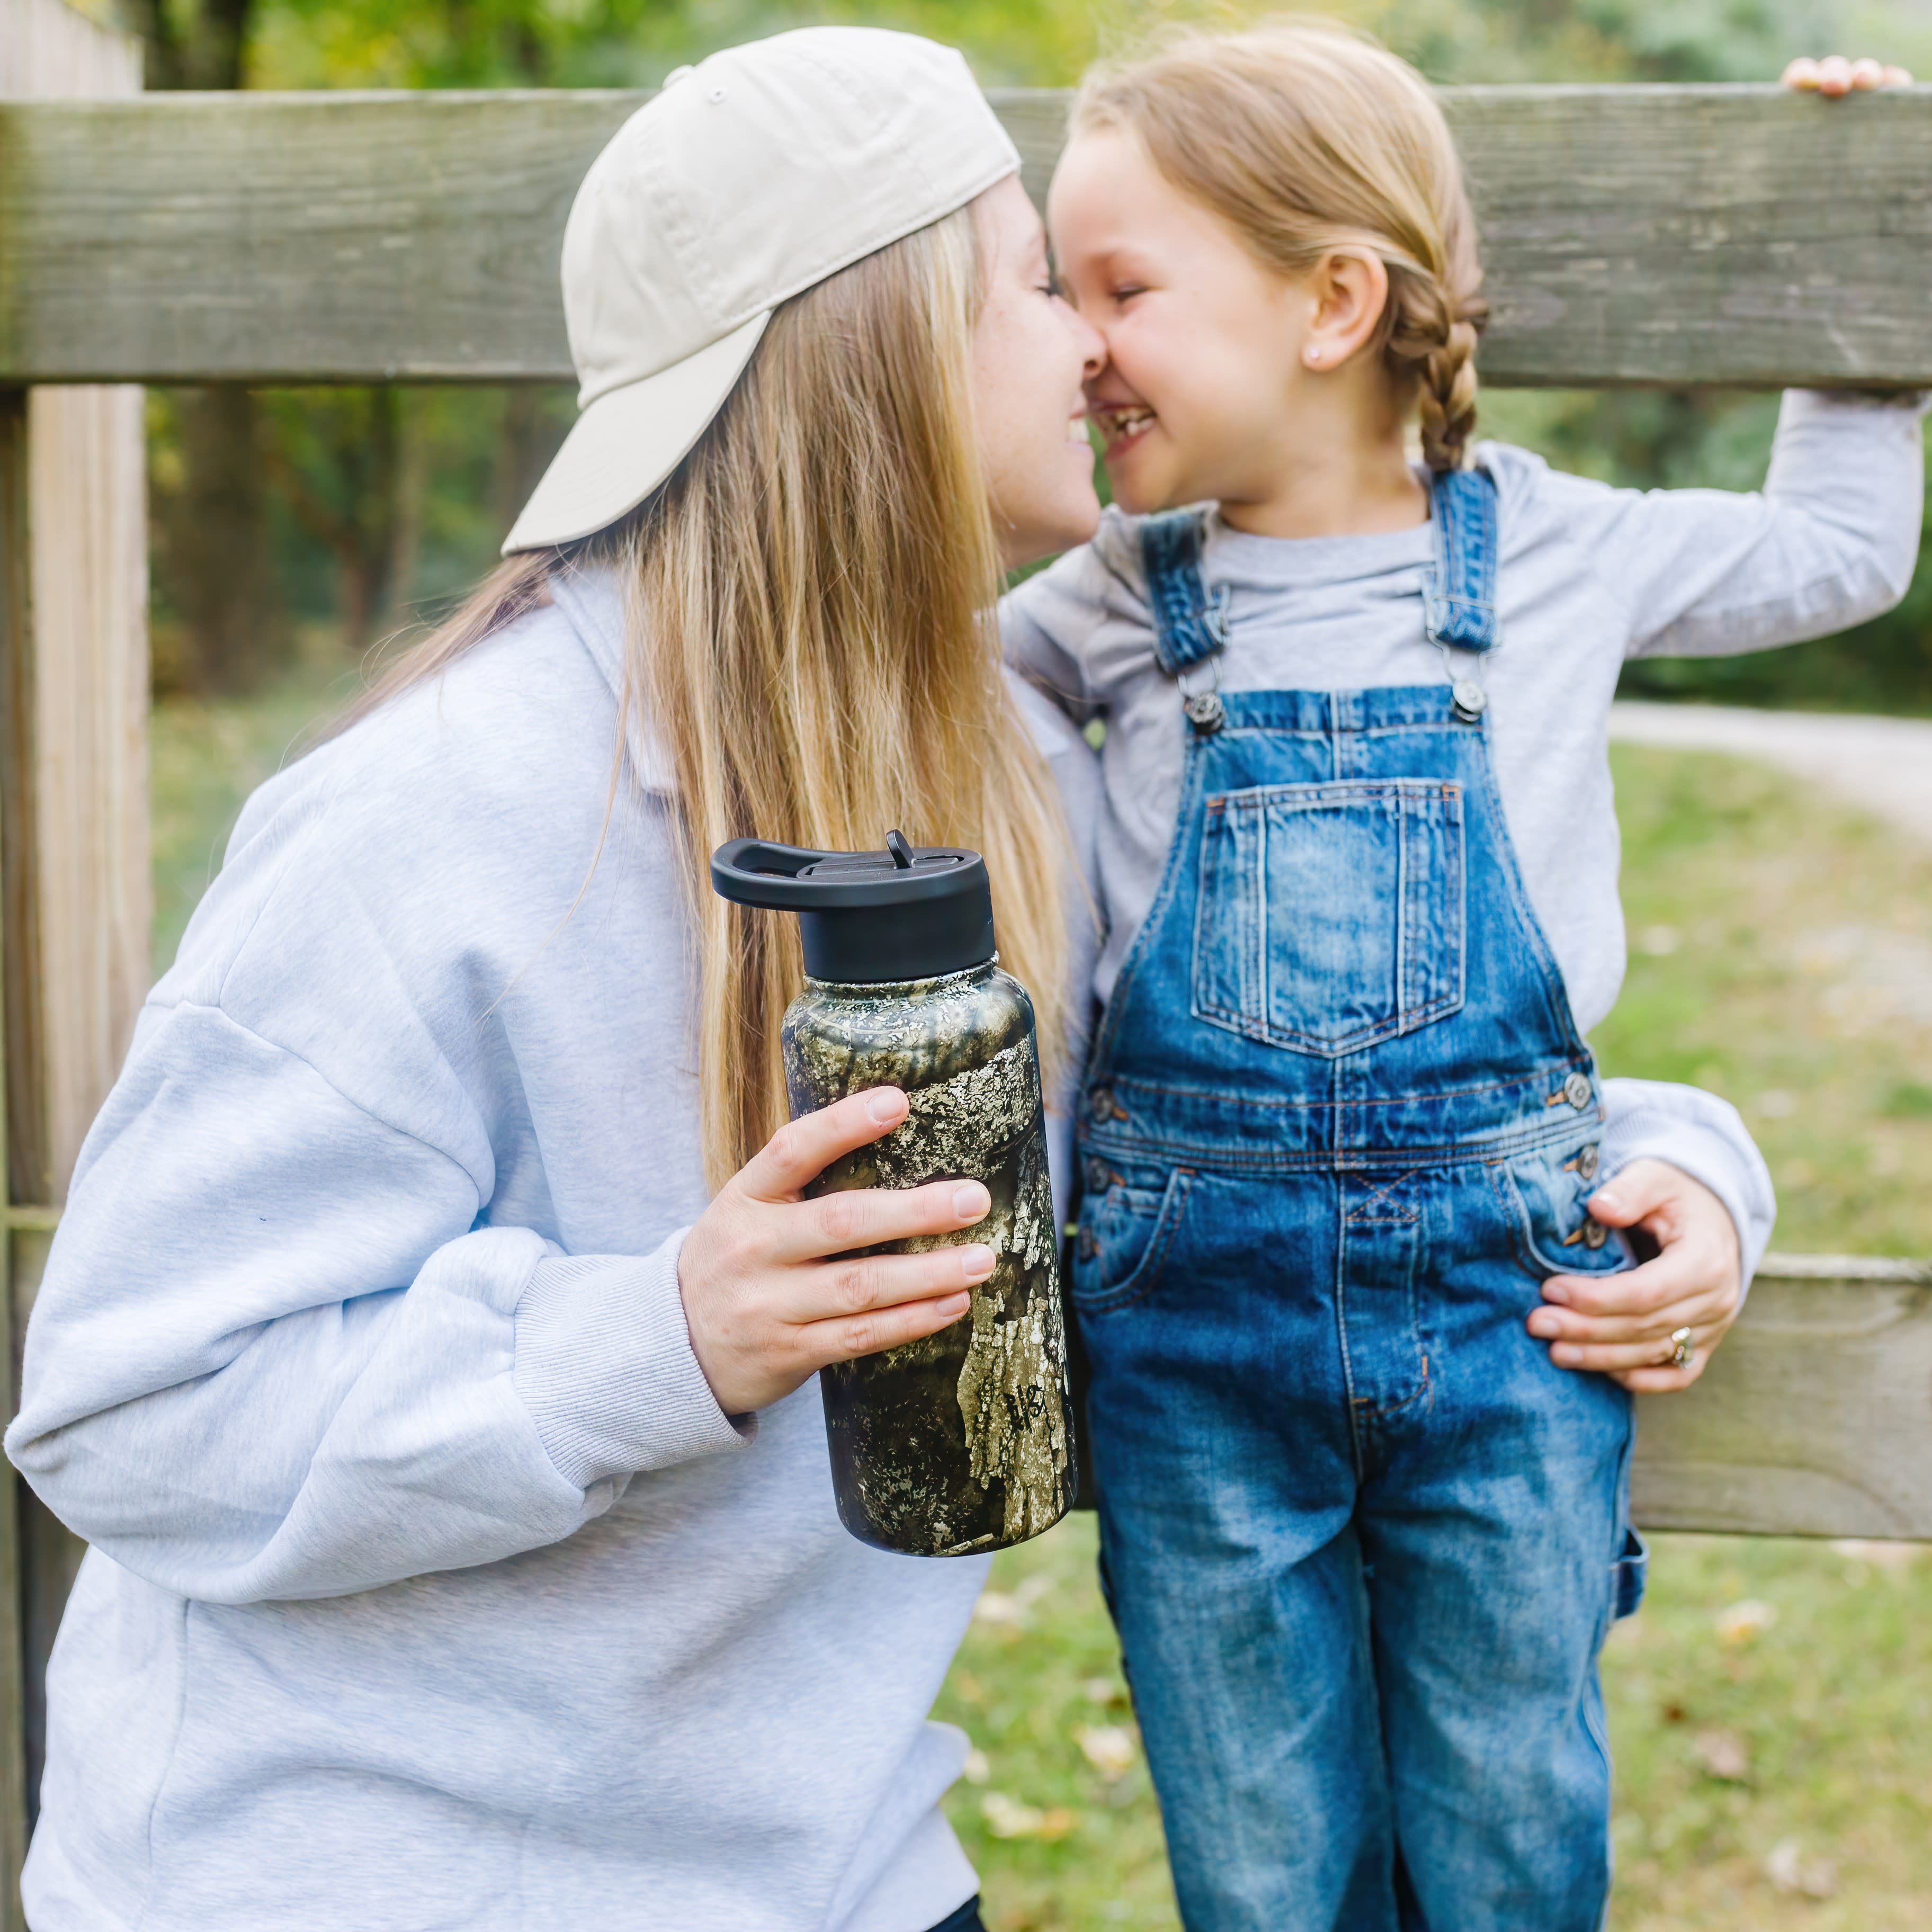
[1330, 916]
[1124, 1242]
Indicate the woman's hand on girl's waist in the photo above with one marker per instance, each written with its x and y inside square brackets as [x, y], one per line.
[1631, 1326]
[772, 1291]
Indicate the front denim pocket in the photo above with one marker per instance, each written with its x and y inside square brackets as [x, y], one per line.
[1543, 1199]
[1330, 915]
[1123, 1243]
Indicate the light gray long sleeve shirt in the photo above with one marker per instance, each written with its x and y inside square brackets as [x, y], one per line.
[1588, 576]
[429, 1586]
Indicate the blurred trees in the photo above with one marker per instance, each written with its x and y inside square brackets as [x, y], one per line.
[211, 526]
[349, 510]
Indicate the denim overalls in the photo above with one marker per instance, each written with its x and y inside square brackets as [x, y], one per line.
[1362, 1539]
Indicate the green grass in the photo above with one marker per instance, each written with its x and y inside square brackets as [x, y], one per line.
[1781, 954]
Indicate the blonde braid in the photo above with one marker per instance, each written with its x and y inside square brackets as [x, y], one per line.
[1432, 334]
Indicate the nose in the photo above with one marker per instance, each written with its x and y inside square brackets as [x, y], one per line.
[1092, 346]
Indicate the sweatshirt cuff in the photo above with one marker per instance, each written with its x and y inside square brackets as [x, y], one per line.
[605, 1367]
[1797, 404]
[1705, 1137]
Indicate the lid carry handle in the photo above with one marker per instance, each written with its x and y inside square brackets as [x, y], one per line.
[756, 872]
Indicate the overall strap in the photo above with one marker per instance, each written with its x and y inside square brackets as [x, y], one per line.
[1187, 628]
[1460, 599]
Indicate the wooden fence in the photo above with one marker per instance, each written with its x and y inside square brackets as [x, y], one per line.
[1635, 235]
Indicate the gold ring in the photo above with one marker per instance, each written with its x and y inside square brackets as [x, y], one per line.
[1682, 1352]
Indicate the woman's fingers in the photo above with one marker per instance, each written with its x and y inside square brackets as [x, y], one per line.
[844, 1310]
[866, 1283]
[1835, 76]
[1634, 1351]
[1636, 1291]
[1567, 1330]
[801, 1150]
[1661, 1381]
[849, 1336]
[863, 1217]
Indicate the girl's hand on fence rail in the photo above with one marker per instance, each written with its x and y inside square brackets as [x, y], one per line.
[1835, 76]
[1622, 1325]
[772, 1290]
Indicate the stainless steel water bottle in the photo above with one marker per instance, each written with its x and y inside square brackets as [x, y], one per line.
[961, 1442]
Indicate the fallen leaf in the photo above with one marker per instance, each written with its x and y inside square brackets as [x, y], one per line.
[1723, 1754]
[1743, 1623]
[1008, 1818]
[995, 1606]
[1790, 1870]
[1109, 1748]
[1879, 1556]
[1013, 1608]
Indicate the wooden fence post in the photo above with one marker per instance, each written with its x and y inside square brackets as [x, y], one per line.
[74, 881]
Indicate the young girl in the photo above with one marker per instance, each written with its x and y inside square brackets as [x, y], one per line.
[1359, 861]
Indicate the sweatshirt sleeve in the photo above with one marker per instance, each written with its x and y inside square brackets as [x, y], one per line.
[278, 1352]
[1706, 1138]
[1045, 621]
[1830, 540]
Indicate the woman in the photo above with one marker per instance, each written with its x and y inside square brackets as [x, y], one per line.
[424, 1350]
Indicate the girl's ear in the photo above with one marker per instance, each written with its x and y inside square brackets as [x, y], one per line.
[1350, 287]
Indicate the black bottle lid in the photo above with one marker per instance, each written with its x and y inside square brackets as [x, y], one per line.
[907, 912]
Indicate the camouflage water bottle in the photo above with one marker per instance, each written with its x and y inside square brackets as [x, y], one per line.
[962, 1441]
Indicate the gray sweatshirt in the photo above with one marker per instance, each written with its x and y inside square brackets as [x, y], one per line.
[429, 1586]
[1588, 576]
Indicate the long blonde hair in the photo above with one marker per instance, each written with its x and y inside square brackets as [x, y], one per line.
[1305, 136]
[809, 619]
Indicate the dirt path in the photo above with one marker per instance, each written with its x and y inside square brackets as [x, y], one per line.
[1882, 765]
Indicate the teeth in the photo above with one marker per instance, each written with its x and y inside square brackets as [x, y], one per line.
[1125, 421]
[1076, 430]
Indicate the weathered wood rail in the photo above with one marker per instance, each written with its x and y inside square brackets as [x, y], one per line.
[1634, 235]
[1814, 1419]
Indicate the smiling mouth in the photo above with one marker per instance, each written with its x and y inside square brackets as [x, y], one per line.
[1120, 424]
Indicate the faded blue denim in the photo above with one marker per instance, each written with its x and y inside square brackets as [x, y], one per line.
[1362, 1540]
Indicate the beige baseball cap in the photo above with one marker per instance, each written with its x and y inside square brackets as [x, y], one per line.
[753, 175]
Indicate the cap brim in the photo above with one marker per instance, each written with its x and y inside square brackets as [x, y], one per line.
[627, 443]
